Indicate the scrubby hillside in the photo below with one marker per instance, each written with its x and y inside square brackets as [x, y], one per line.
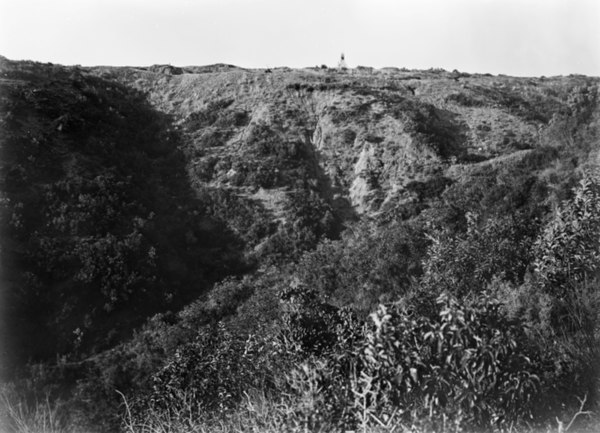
[265, 214]
[100, 226]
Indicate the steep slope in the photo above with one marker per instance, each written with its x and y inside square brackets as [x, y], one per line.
[371, 143]
[115, 158]
[99, 225]
[245, 197]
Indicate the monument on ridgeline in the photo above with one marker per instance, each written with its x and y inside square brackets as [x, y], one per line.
[342, 63]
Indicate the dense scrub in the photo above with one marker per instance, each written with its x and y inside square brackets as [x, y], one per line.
[100, 228]
[298, 251]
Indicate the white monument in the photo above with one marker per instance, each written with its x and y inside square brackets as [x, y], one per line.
[342, 63]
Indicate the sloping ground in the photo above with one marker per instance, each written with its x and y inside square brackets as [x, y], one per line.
[360, 137]
[99, 225]
[269, 154]
[130, 191]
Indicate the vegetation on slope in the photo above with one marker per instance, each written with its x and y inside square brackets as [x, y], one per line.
[100, 227]
[216, 249]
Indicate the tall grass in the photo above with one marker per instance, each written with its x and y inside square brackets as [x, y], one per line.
[18, 415]
[259, 414]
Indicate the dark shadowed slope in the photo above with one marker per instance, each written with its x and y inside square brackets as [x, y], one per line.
[100, 227]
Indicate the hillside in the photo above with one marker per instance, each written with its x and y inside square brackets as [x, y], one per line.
[156, 219]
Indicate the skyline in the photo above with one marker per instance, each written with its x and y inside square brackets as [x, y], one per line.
[523, 38]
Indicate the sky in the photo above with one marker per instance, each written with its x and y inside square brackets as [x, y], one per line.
[513, 37]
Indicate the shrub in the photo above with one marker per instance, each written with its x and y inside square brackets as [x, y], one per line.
[365, 269]
[323, 341]
[465, 263]
[313, 327]
[309, 219]
[318, 395]
[213, 370]
[469, 364]
[568, 251]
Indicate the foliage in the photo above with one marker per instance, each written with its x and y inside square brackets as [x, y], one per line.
[468, 364]
[213, 370]
[465, 263]
[367, 268]
[85, 227]
[311, 326]
[241, 214]
[310, 220]
[568, 251]
[566, 265]
[100, 219]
